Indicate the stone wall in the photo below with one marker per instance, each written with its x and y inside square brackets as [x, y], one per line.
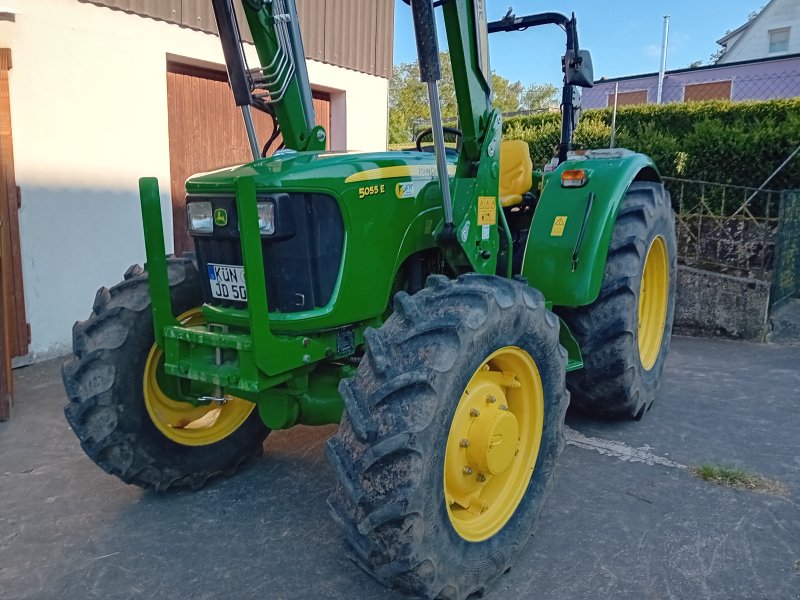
[714, 304]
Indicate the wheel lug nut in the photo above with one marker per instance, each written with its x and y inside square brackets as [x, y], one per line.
[481, 478]
[490, 399]
[464, 443]
[467, 470]
[503, 407]
[474, 412]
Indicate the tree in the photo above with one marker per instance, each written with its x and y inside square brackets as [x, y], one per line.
[714, 58]
[408, 98]
[506, 95]
[407, 101]
[539, 96]
[755, 13]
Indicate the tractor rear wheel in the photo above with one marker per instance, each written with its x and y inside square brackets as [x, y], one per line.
[624, 334]
[120, 403]
[452, 427]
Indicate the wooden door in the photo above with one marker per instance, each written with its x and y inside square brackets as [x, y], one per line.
[17, 332]
[206, 132]
[6, 382]
[14, 330]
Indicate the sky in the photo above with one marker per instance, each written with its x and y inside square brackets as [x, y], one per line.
[624, 36]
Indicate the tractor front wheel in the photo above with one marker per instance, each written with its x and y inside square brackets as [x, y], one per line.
[452, 427]
[122, 405]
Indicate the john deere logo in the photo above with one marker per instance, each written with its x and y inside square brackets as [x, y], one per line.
[220, 217]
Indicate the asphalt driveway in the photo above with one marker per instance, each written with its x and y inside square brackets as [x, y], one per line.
[625, 519]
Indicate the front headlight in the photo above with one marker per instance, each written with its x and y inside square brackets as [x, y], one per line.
[266, 218]
[200, 217]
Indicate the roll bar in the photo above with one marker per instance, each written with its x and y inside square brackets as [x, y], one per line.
[512, 22]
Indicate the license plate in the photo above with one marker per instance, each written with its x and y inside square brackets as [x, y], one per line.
[227, 282]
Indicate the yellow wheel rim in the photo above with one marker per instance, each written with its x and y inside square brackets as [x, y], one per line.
[206, 424]
[493, 443]
[653, 297]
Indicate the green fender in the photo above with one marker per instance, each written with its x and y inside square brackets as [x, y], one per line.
[564, 221]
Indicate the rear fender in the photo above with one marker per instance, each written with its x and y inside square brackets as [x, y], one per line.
[561, 215]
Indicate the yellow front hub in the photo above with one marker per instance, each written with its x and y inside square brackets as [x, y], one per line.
[653, 301]
[180, 421]
[493, 443]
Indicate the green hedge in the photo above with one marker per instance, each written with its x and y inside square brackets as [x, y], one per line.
[739, 143]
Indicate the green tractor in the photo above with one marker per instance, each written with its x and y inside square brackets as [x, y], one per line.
[438, 304]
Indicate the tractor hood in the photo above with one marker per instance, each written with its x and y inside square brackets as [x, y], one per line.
[318, 170]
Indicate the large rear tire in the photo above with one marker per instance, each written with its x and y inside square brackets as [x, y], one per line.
[451, 431]
[120, 413]
[624, 334]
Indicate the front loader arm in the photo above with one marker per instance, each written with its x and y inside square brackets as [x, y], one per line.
[467, 39]
[280, 85]
[294, 108]
[468, 233]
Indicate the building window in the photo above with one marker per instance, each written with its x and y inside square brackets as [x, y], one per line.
[713, 90]
[779, 40]
[637, 97]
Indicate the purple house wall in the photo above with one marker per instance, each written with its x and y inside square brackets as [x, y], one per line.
[761, 79]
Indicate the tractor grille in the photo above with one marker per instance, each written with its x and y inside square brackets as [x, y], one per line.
[301, 259]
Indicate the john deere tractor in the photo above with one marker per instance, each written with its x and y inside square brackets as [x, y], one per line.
[440, 304]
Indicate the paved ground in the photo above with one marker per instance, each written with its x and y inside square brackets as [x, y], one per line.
[612, 527]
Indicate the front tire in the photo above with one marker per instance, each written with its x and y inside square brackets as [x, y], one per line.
[624, 335]
[429, 497]
[116, 405]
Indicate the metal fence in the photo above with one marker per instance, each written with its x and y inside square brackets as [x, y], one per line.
[719, 230]
[786, 274]
[697, 86]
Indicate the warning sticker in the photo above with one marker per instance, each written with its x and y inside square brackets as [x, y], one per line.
[558, 226]
[487, 210]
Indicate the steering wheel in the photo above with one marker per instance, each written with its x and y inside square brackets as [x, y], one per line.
[456, 133]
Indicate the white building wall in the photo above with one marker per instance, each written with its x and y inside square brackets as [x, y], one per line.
[753, 42]
[89, 117]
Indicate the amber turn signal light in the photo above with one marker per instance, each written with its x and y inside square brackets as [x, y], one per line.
[574, 178]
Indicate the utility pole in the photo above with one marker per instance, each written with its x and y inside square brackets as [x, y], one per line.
[614, 116]
[664, 39]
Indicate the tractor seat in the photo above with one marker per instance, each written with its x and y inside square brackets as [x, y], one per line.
[516, 172]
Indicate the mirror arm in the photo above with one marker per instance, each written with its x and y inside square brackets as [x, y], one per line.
[567, 126]
[572, 34]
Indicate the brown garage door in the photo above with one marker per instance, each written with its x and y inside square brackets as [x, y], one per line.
[17, 332]
[624, 98]
[713, 90]
[206, 132]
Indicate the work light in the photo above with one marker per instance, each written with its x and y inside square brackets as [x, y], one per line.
[266, 218]
[200, 217]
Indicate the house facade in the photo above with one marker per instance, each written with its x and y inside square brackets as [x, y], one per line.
[95, 94]
[760, 61]
[760, 79]
[773, 32]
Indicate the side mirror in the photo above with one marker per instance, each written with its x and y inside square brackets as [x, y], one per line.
[578, 68]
